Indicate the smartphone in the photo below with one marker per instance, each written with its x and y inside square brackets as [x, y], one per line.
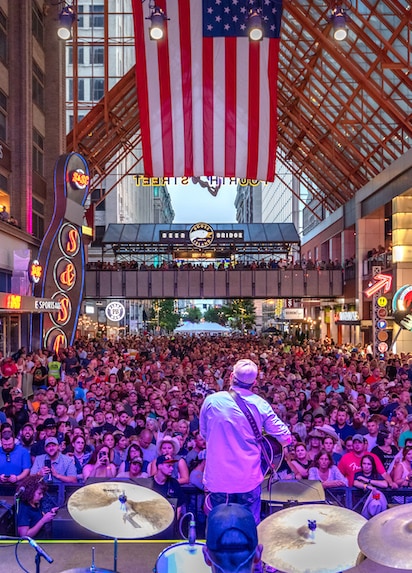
[47, 463]
[102, 456]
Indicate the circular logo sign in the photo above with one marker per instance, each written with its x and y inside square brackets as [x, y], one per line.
[62, 316]
[55, 339]
[382, 347]
[201, 235]
[115, 311]
[79, 179]
[382, 312]
[382, 301]
[382, 324]
[383, 335]
[35, 271]
[69, 240]
[64, 274]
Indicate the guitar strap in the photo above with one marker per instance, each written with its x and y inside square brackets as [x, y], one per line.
[249, 416]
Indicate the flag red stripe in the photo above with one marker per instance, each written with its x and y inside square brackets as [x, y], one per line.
[230, 106]
[273, 81]
[141, 85]
[165, 101]
[186, 62]
[254, 109]
[208, 106]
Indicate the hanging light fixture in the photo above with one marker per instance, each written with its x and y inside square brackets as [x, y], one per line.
[66, 19]
[157, 27]
[339, 19]
[255, 26]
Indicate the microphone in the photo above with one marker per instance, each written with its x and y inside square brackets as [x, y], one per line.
[39, 549]
[19, 491]
[192, 532]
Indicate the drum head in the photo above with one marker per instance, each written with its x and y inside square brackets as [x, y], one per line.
[182, 558]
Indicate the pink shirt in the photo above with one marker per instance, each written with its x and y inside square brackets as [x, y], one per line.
[233, 455]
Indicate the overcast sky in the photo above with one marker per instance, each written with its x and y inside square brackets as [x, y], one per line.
[193, 204]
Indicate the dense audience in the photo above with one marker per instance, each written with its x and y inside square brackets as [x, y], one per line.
[239, 264]
[130, 408]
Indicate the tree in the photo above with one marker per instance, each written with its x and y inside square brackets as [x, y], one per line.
[216, 314]
[242, 314]
[193, 314]
[163, 314]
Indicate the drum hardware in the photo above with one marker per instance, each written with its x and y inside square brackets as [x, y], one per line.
[316, 538]
[91, 569]
[289, 493]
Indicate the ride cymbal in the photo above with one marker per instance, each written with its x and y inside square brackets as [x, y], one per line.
[311, 539]
[120, 509]
[387, 537]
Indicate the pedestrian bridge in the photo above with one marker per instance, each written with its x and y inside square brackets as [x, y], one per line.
[213, 283]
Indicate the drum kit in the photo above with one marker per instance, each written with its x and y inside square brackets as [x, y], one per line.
[307, 538]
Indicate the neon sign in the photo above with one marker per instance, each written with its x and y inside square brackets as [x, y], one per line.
[35, 271]
[13, 302]
[382, 282]
[79, 179]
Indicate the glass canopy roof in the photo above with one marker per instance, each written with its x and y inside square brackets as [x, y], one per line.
[344, 107]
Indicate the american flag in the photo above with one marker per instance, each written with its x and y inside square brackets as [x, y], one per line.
[207, 95]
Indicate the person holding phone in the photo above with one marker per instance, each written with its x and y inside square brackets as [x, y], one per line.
[32, 520]
[53, 466]
[100, 464]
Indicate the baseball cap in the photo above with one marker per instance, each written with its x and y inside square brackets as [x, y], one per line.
[357, 437]
[165, 460]
[49, 423]
[245, 371]
[136, 460]
[409, 418]
[231, 527]
[51, 441]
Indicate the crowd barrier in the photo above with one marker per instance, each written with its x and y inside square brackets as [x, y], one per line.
[63, 526]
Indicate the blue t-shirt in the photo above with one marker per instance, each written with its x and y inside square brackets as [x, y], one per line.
[14, 462]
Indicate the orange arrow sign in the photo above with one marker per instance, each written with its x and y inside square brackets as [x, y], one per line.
[382, 282]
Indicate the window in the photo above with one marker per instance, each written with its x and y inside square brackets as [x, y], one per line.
[96, 89]
[38, 152]
[3, 36]
[38, 85]
[97, 16]
[3, 116]
[80, 55]
[101, 206]
[3, 184]
[96, 55]
[38, 218]
[37, 24]
[71, 121]
[80, 17]
[98, 234]
[80, 92]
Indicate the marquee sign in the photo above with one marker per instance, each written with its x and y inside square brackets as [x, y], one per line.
[201, 236]
[62, 255]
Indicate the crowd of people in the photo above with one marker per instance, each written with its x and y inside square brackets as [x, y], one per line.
[239, 264]
[131, 409]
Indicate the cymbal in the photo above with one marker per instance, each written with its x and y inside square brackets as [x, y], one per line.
[386, 538]
[120, 509]
[290, 546]
[368, 566]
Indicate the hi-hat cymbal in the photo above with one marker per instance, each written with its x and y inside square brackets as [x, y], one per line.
[120, 509]
[311, 539]
[387, 537]
[369, 566]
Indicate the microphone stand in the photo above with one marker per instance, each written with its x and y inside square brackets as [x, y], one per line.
[39, 551]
